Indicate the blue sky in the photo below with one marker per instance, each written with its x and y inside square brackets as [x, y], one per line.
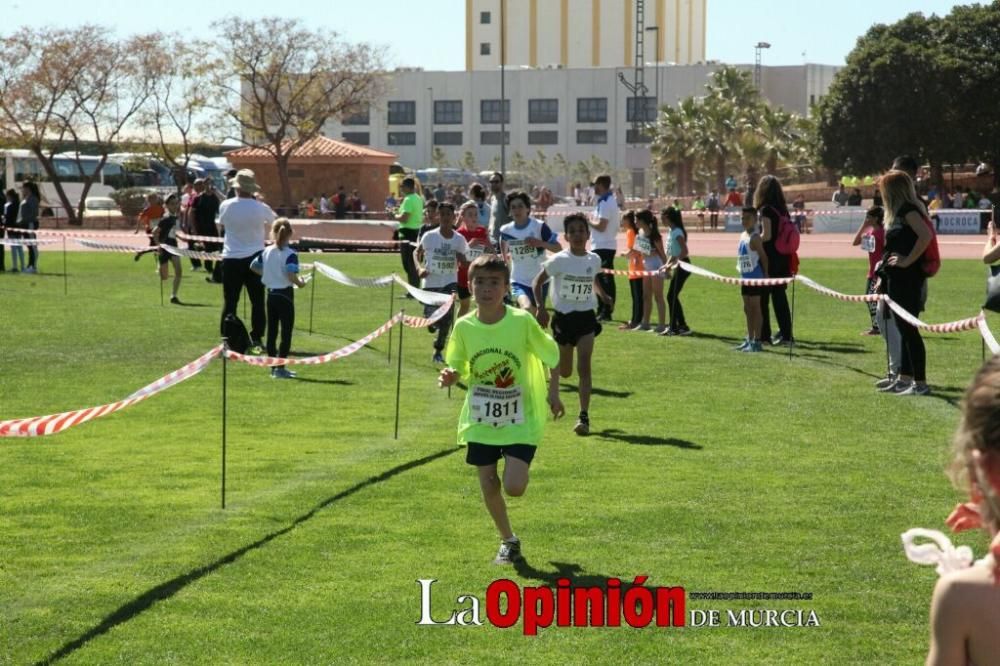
[431, 33]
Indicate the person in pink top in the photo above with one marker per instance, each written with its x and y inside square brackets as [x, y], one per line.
[871, 237]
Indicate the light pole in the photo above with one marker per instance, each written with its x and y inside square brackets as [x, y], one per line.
[430, 137]
[655, 29]
[503, 96]
[756, 62]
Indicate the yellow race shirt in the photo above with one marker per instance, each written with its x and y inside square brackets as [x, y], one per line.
[504, 366]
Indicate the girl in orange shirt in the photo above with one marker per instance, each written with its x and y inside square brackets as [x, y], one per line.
[634, 264]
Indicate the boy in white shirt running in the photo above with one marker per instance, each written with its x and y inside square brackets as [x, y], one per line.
[523, 243]
[437, 258]
[575, 292]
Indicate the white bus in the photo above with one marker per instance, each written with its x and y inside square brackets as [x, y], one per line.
[17, 166]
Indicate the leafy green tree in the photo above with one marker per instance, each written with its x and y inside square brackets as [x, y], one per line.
[895, 96]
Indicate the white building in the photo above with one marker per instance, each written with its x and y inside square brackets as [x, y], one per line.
[581, 33]
[577, 112]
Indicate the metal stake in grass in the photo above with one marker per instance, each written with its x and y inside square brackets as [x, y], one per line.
[225, 348]
[392, 296]
[791, 342]
[161, 289]
[65, 285]
[312, 298]
[399, 368]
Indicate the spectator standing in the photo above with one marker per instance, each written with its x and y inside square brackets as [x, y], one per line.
[854, 199]
[499, 214]
[769, 200]
[10, 210]
[340, 204]
[204, 210]
[713, 205]
[840, 197]
[440, 194]
[906, 238]
[28, 220]
[604, 241]
[410, 217]
[244, 221]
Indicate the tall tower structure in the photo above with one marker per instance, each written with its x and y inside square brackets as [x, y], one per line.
[580, 33]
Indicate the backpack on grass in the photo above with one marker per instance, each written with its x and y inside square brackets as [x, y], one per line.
[236, 334]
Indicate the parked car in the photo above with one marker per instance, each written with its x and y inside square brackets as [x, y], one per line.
[100, 207]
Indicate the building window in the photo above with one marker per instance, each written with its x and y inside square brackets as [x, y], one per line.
[484, 18]
[448, 112]
[543, 138]
[402, 138]
[489, 111]
[632, 136]
[493, 138]
[360, 117]
[645, 112]
[360, 138]
[484, 48]
[402, 113]
[543, 110]
[591, 109]
[812, 100]
[447, 138]
[591, 136]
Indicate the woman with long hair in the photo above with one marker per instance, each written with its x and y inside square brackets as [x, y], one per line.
[906, 237]
[769, 200]
[677, 251]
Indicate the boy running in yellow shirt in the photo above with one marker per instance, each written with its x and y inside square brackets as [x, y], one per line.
[502, 354]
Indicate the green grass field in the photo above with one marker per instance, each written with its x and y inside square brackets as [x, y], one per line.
[707, 469]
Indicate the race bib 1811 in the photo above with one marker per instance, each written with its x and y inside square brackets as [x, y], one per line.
[496, 406]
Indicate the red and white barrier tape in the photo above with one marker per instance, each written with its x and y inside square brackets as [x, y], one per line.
[72, 235]
[112, 247]
[763, 282]
[423, 322]
[26, 242]
[343, 352]
[193, 254]
[634, 274]
[949, 327]
[345, 279]
[54, 423]
[198, 239]
[346, 241]
[422, 295]
[855, 298]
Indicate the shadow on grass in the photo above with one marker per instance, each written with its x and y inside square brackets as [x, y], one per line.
[646, 440]
[833, 347]
[826, 360]
[728, 339]
[194, 305]
[168, 589]
[339, 382]
[605, 393]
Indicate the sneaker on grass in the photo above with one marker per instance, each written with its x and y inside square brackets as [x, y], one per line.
[438, 358]
[916, 389]
[899, 386]
[885, 382]
[582, 426]
[743, 345]
[510, 552]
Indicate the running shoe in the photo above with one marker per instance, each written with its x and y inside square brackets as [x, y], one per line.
[640, 327]
[743, 345]
[666, 332]
[582, 426]
[438, 358]
[900, 386]
[510, 552]
[660, 330]
[872, 331]
[683, 330]
[916, 389]
[175, 300]
[753, 346]
[885, 382]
